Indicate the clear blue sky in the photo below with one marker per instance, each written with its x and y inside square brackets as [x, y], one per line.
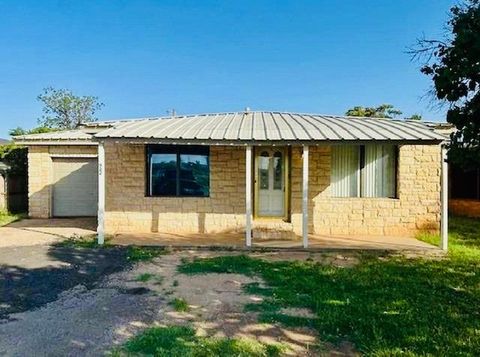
[143, 57]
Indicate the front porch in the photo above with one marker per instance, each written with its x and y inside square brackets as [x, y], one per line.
[237, 241]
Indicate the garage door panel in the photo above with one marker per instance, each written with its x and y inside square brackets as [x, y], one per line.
[75, 188]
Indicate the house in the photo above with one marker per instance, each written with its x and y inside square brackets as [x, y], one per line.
[261, 173]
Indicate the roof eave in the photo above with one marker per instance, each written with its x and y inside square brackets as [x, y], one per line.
[53, 142]
[264, 142]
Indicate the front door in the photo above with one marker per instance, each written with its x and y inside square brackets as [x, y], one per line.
[270, 181]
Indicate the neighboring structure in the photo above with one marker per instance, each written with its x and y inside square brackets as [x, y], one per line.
[3, 186]
[264, 173]
[464, 184]
[3, 181]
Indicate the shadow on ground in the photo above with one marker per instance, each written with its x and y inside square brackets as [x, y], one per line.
[24, 288]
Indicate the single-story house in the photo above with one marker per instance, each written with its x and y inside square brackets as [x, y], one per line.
[251, 172]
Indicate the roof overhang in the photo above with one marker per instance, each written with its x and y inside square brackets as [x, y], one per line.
[152, 141]
[56, 142]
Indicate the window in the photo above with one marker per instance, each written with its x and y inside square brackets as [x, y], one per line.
[178, 171]
[364, 171]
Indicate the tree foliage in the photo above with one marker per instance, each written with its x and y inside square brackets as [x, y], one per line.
[415, 117]
[382, 111]
[15, 157]
[64, 110]
[39, 130]
[454, 66]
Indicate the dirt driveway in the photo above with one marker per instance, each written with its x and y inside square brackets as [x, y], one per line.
[28, 232]
[60, 301]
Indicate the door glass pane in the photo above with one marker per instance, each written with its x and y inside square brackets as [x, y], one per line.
[277, 171]
[263, 164]
[164, 174]
[194, 175]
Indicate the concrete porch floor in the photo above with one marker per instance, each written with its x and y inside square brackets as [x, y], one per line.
[237, 240]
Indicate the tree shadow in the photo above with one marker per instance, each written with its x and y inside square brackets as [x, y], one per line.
[23, 289]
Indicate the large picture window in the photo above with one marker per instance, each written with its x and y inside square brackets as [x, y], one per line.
[364, 171]
[176, 170]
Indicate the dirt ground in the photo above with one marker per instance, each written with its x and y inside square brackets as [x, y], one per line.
[103, 311]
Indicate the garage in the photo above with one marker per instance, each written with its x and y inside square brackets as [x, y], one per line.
[75, 187]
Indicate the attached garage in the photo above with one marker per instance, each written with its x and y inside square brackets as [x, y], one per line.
[75, 187]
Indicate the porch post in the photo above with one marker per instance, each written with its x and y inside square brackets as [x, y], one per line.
[305, 197]
[248, 197]
[101, 194]
[444, 201]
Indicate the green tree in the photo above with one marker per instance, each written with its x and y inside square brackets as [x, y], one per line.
[15, 157]
[64, 110]
[39, 130]
[453, 64]
[382, 111]
[415, 117]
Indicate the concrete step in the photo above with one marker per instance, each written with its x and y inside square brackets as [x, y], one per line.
[272, 230]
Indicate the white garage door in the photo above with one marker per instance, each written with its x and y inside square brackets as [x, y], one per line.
[75, 188]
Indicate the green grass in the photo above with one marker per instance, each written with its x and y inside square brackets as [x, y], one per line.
[89, 241]
[180, 341]
[385, 305]
[7, 217]
[180, 305]
[144, 277]
[143, 254]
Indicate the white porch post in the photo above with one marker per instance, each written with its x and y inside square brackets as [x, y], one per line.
[101, 194]
[444, 201]
[305, 197]
[248, 197]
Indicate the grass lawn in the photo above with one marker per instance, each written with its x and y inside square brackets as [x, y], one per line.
[181, 341]
[385, 305]
[6, 217]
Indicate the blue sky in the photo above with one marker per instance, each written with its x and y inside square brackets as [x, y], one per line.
[143, 57]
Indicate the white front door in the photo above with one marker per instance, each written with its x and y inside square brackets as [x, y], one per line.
[270, 182]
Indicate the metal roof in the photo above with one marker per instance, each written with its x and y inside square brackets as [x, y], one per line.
[80, 136]
[269, 127]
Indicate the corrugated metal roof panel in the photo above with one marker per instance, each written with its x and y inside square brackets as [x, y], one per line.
[78, 134]
[261, 126]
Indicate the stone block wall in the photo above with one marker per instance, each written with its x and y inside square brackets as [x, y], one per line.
[128, 209]
[40, 174]
[3, 194]
[416, 208]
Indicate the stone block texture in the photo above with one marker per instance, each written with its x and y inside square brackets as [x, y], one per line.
[40, 175]
[129, 209]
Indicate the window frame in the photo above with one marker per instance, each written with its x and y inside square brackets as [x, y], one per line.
[178, 150]
[360, 173]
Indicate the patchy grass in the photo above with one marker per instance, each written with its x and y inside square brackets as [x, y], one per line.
[180, 305]
[142, 254]
[89, 241]
[179, 341]
[144, 277]
[7, 217]
[385, 305]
